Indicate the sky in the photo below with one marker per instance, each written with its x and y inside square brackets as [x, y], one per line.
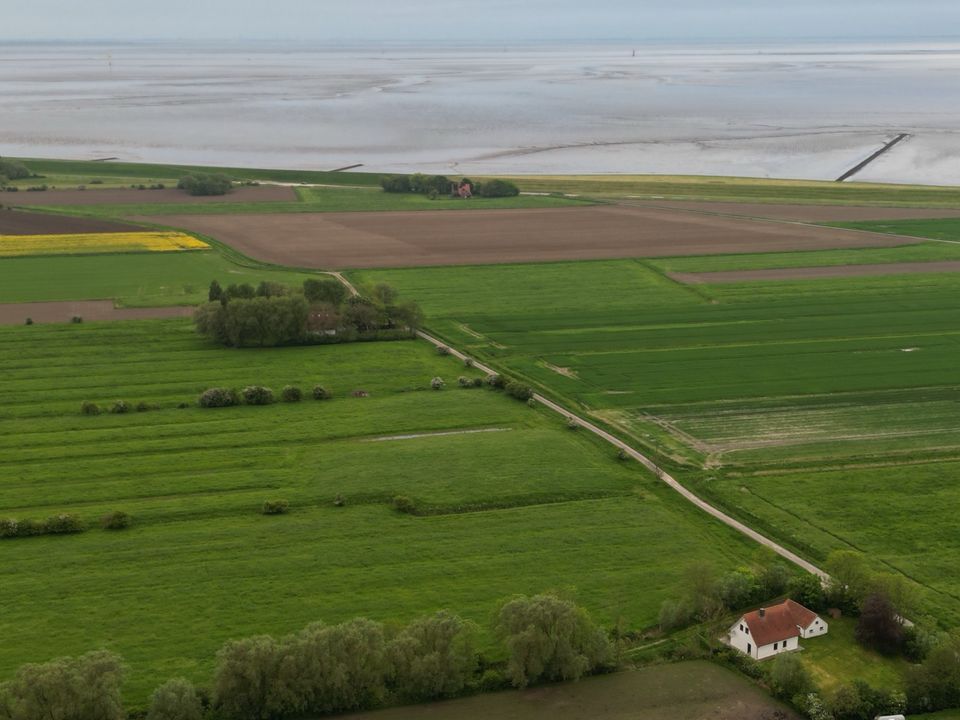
[477, 20]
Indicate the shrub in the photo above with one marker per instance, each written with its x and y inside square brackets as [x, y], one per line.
[29, 321]
[519, 391]
[443, 350]
[497, 188]
[468, 362]
[403, 504]
[464, 382]
[76, 319]
[395, 183]
[63, 524]
[116, 520]
[478, 382]
[205, 184]
[120, 407]
[183, 406]
[144, 406]
[548, 639]
[30, 528]
[9, 528]
[622, 455]
[433, 657]
[321, 393]
[492, 680]
[789, 677]
[257, 395]
[13, 170]
[571, 423]
[80, 688]
[495, 381]
[175, 700]
[437, 383]
[275, 507]
[89, 408]
[339, 500]
[291, 394]
[219, 397]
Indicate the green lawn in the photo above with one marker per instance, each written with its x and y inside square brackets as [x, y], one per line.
[836, 658]
[512, 500]
[750, 392]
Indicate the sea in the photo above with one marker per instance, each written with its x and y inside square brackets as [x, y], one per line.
[808, 110]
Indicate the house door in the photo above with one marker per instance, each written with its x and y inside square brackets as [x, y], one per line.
[749, 649]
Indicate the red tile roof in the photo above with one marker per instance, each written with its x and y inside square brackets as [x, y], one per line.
[778, 622]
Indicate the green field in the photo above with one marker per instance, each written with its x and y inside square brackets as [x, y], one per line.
[822, 411]
[521, 507]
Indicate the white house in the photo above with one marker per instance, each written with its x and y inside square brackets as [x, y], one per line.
[770, 631]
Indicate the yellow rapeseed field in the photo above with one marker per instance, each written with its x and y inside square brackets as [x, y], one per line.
[14, 245]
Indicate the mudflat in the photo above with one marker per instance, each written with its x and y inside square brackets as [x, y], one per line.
[407, 239]
[258, 193]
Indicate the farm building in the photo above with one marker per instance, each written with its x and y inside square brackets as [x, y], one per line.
[770, 631]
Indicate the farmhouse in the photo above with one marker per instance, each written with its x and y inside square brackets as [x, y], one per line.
[770, 631]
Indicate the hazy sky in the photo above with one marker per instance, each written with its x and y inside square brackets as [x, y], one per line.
[491, 20]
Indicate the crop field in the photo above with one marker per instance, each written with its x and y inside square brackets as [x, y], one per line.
[97, 243]
[510, 500]
[805, 213]
[823, 411]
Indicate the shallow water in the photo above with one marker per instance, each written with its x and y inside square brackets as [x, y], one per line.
[804, 111]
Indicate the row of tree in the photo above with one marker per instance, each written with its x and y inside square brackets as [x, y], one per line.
[329, 668]
[12, 170]
[201, 184]
[320, 312]
[438, 185]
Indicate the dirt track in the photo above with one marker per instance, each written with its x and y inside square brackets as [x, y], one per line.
[260, 193]
[30, 223]
[401, 239]
[802, 213]
[89, 310]
[813, 273]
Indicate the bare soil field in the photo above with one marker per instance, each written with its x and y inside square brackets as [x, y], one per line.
[404, 239]
[30, 223]
[803, 213]
[89, 310]
[260, 193]
[813, 273]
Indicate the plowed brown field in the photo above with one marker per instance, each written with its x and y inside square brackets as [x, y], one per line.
[261, 193]
[401, 239]
[89, 310]
[30, 223]
[804, 213]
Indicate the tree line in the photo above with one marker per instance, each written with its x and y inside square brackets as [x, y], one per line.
[440, 185]
[325, 669]
[321, 311]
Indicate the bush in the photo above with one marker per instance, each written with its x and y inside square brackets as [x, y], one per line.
[120, 407]
[443, 350]
[403, 504]
[437, 383]
[116, 520]
[29, 321]
[63, 524]
[464, 382]
[13, 170]
[549, 639]
[275, 507]
[478, 382]
[9, 528]
[468, 362]
[433, 657]
[395, 183]
[571, 423]
[789, 677]
[89, 408]
[339, 500]
[144, 406]
[219, 397]
[519, 391]
[495, 381]
[257, 395]
[83, 688]
[321, 393]
[291, 394]
[205, 184]
[175, 700]
[76, 319]
[497, 189]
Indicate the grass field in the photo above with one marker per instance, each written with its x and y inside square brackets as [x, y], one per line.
[684, 691]
[133, 280]
[97, 243]
[822, 411]
[834, 658]
[523, 507]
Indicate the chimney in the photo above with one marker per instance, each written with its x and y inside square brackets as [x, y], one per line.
[763, 612]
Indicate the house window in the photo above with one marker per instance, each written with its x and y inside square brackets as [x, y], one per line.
[741, 627]
[774, 646]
